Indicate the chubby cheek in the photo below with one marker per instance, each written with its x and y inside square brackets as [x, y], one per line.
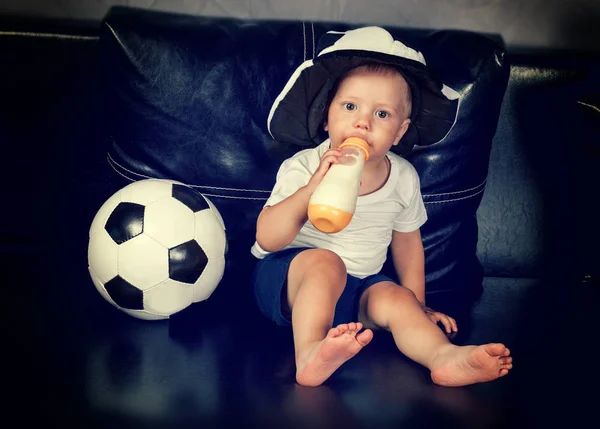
[335, 136]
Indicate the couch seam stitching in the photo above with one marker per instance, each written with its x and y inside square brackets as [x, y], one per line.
[456, 192]
[112, 163]
[455, 199]
[304, 38]
[47, 35]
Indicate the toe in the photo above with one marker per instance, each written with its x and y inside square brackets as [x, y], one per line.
[496, 349]
[502, 372]
[351, 327]
[365, 337]
[335, 332]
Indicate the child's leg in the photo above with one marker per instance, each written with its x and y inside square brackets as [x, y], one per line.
[396, 309]
[316, 279]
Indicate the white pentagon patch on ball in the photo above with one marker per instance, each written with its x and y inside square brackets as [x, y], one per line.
[155, 247]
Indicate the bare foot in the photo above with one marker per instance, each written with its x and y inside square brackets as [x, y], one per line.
[316, 365]
[459, 366]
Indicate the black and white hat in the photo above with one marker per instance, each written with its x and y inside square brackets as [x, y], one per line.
[297, 113]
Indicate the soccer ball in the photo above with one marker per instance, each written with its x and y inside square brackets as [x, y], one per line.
[156, 247]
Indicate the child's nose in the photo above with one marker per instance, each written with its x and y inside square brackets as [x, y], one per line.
[363, 121]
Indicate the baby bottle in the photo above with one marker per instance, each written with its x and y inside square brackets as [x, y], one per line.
[332, 205]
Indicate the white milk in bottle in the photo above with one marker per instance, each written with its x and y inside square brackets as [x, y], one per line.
[332, 205]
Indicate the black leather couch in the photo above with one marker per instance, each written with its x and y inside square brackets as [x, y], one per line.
[510, 244]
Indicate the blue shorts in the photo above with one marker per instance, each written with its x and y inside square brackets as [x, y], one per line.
[270, 289]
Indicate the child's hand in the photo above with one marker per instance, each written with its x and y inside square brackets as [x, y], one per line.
[327, 160]
[448, 322]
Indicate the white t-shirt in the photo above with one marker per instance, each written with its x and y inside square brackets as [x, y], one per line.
[363, 244]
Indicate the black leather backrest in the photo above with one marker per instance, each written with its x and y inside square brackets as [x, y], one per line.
[187, 98]
[537, 218]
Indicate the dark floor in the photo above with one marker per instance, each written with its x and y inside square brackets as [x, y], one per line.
[74, 358]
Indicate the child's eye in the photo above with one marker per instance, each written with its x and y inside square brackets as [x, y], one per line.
[350, 106]
[382, 114]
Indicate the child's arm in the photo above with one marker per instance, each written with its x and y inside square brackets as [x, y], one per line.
[278, 225]
[409, 261]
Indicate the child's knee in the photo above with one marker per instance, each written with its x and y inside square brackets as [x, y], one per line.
[326, 263]
[386, 294]
[402, 293]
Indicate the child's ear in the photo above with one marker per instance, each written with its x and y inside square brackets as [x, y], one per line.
[402, 131]
[325, 125]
